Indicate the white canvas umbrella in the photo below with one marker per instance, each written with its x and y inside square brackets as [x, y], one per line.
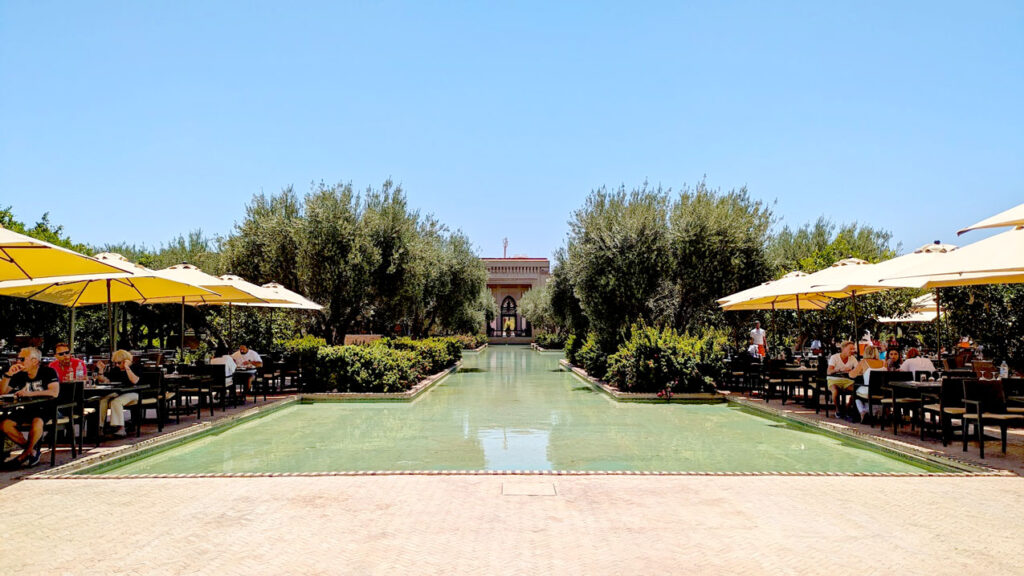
[1012, 217]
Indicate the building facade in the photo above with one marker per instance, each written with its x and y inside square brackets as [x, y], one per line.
[508, 279]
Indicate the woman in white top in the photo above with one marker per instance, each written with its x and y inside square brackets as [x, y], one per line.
[870, 362]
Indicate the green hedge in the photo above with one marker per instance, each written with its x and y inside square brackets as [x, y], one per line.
[593, 359]
[550, 341]
[386, 365]
[654, 359]
[368, 368]
[471, 341]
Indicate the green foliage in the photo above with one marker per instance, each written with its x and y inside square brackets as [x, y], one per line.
[653, 359]
[535, 306]
[550, 341]
[993, 316]
[814, 247]
[573, 343]
[718, 247]
[367, 368]
[436, 353]
[303, 349]
[592, 357]
[471, 341]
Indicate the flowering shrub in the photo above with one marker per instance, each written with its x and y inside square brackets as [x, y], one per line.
[663, 361]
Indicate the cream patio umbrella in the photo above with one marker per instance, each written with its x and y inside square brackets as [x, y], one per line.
[131, 283]
[25, 258]
[923, 309]
[228, 290]
[294, 301]
[998, 259]
[785, 293]
[1012, 217]
[284, 298]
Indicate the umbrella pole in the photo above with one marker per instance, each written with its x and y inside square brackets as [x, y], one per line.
[773, 328]
[799, 320]
[110, 323]
[231, 327]
[182, 334]
[938, 325]
[71, 332]
[855, 331]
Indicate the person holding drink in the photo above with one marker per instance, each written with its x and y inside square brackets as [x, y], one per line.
[28, 379]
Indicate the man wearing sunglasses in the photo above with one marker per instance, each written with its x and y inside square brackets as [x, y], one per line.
[67, 367]
[28, 379]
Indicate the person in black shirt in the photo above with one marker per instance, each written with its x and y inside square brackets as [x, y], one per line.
[28, 380]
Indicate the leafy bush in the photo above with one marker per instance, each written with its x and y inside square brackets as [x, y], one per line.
[572, 348]
[368, 368]
[471, 341]
[593, 359]
[303, 351]
[436, 354]
[550, 341]
[654, 359]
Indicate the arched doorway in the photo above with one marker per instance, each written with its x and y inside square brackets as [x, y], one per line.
[509, 318]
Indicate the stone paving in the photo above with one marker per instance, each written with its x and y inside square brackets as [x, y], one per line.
[492, 525]
[521, 524]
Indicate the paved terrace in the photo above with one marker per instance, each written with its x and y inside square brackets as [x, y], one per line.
[505, 524]
[465, 525]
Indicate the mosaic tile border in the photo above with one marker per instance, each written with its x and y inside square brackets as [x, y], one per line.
[545, 473]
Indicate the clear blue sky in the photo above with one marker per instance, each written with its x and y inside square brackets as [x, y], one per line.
[137, 121]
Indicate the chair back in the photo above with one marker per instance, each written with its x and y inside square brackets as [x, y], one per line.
[985, 370]
[989, 393]
[951, 393]
[1013, 386]
[213, 372]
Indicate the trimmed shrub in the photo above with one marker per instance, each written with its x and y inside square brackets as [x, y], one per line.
[436, 354]
[368, 368]
[593, 359]
[303, 351]
[653, 360]
[550, 341]
[471, 341]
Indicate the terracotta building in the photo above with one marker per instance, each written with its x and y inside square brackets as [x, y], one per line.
[508, 279]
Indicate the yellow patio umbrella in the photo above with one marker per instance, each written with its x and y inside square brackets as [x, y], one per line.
[25, 258]
[227, 291]
[131, 283]
[1012, 217]
[282, 298]
[785, 293]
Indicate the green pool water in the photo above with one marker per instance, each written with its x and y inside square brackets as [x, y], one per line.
[511, 408]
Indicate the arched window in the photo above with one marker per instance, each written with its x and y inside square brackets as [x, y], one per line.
[508, 305]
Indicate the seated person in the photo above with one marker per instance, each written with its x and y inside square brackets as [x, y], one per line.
[222, 357]
[28, 379]
[753, 350]
[892, 360]
[247, 360]
[915, 363]
[870, 362]
[816, 347]
[122, 372]
[67, 367]
[839, 367]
